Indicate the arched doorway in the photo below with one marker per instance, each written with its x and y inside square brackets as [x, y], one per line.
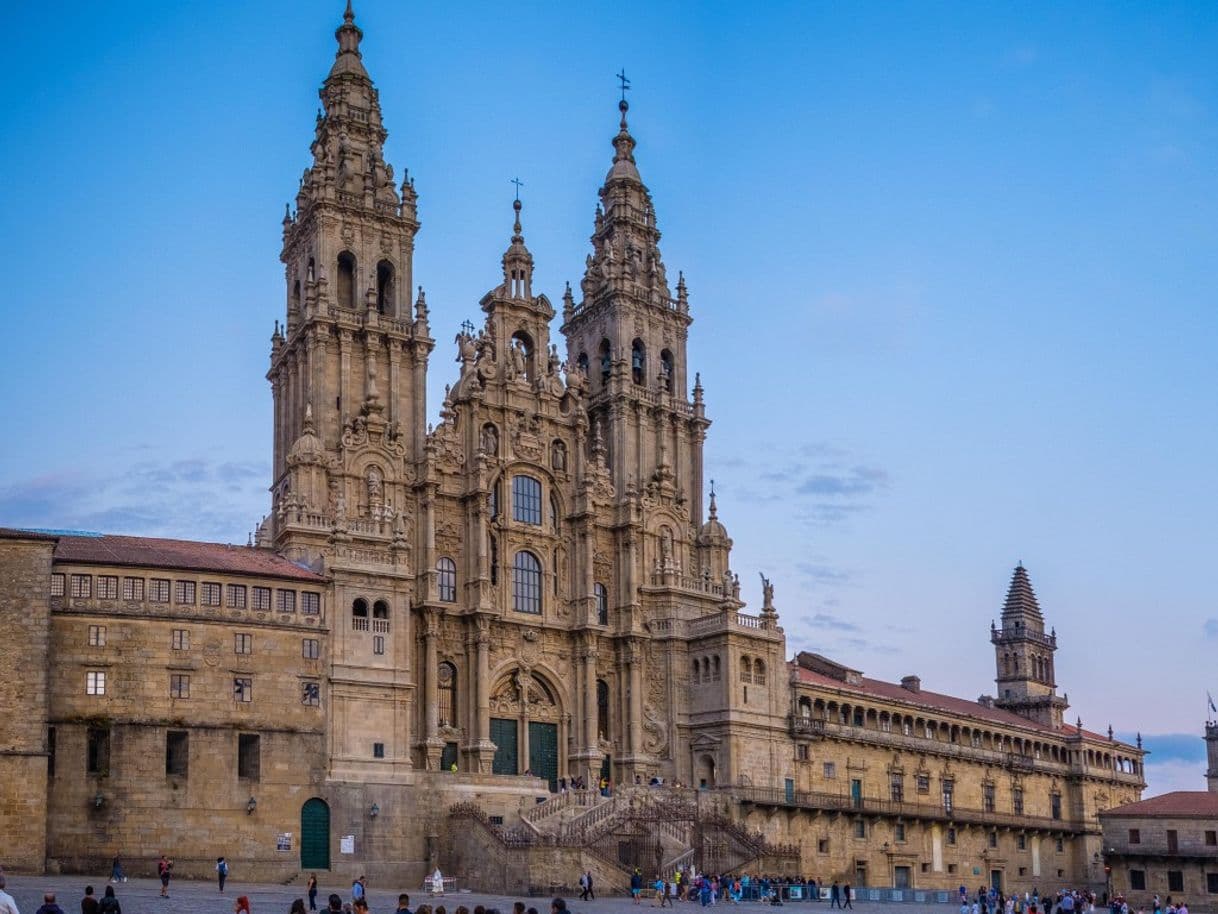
[526, 714]
[315, 835]
[706, 772]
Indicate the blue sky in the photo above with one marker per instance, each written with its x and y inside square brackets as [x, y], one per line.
[952, 268]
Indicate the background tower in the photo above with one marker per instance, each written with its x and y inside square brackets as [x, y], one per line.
[1023, 656]
[1211, 754]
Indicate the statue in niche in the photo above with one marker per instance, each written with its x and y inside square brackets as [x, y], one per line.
[376, 485]
[490, 440]
[665, 547]
[558, 455]
[518, 361]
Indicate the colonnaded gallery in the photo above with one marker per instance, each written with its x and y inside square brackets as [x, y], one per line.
[435, 629]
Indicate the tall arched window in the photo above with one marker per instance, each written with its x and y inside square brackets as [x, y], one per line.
[606, 357]
[494, 560]
[446, 579]
[310, 271]
[446, 680]
[582, 363]
[746, 669]
[359, 615]
[557, 565]
[295, 302]
[526, 500]
[380, 616]
[521, 346]
[666, 379]
[638, 362]
[553, 513]
[715, 668]
[526, 583]
[384, 287]
[759, 672]
[602, 604]
[346, 280]
[602, 709]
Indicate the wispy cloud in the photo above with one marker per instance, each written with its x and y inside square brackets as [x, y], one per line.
[1211, 629]
[194, 497]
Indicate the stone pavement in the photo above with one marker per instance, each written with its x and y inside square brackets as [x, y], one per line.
[142, 896]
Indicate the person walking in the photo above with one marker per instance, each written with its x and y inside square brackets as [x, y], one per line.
[591, 887]
[116, 870]
[311, 888]
[221, 871]
[846, 902]
[7, 904]
[835, 896]
[583, 886]
[164, 869]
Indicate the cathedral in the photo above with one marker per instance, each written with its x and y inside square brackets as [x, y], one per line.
[438, 631]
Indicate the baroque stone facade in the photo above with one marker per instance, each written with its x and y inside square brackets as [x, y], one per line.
[436, 625]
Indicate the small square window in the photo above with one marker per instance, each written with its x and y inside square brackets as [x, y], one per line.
[310, 648]
[95, 682]
[310, 603]
[107, 587]
[951, 868]
[243, 643]
[1023, 871]
[58, 585]
[923, 783]
[1211, 838]
[262, 599]
[133, 590]
[236, 596]
[1135, 836]
[496, 820]
[1175, 880]
[378, 644]
[822, 845]
[285, 601]
[97, 636]
[378, 750]
[830, 770]
[179, 685]
[310, 693]
[210, 593]
[243, 688]
[82, 586]
[181, 639]
[184, 593]
[158, 590]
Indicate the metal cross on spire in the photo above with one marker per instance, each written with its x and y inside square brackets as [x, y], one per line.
[624, 81]
[519, 184]
[712, 482]
[467, 327]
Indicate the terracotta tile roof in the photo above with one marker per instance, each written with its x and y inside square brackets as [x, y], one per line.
[185, 555]
[937, 701]
[1178, 803]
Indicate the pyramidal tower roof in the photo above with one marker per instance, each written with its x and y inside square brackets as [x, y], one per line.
[1021, 599]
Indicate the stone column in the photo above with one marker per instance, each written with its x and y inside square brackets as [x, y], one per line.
[395, 364]
[486, 749]
[634, 655]
[433, 745]
[344, 377]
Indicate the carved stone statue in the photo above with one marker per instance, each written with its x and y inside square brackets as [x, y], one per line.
[767, 593]
[375, 482]
[490, 440]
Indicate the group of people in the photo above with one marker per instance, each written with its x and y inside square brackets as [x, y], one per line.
[1118, 905]
[708, 889]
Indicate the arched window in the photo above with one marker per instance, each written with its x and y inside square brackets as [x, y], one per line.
[526, 500]
[706, 669]
[715, 668]
[526, 583]
[521, 346]
[446, 680]
[494, 560]
[638, 362]
[495, 500]
[557, 564]
[602, 709]
[606, 356]
[696, 673]
[759, 672]
[582, 363]
[359, 615]
[602, 605]
[311, 271]
[666, 378]
[446, 579]
[384, 287]
[346, 280]
[380, 616]
[553, 513]
[295, 302]
[746, 669]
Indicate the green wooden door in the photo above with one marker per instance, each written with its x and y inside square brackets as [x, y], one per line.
[503, 735]
[543, 751]
[315, 835]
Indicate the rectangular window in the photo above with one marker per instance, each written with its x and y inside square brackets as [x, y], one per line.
[526, 500]
[830, 770]
[310, 648]
[177, 753]
[97, 636]
[987, 797]
[310, 693]
[310, 603]
[82, 586]
[158, 590]
[801, 752]
[1059, 845]
[1055, 805]
[898, 832]
[1175, 880]
[951, 868]
[236, 596]
[1173, 841]
[822, 845]
[50, 752]
[1135, 836]
[897, 788]
[1137, 880]
[243, 689]
[97, 751]
[184, 593]
[181, 639]
[1211, 839]
[378, 644]
[243, 643]
[210, 593]
[378, 750]
[95, 682]
[993, 839]
[949, 791]
[58, 585]
[1021, 842]
[261, 599]
[249, 756]
[1017, 801]
[285, 601]
[950, 836]
[133, 590]
[107, 587]
[860, 829]
[923, 783]
[1211, 883]
[179, 685]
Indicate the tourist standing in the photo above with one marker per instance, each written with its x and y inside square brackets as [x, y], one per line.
[109, 903]
[311, 887]
[7, 904]
[49, 906]
[164, 869]
[636, 885]
[241, 905]
[88, 904]
[221, 871]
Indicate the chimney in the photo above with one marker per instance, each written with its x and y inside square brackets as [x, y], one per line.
[911, 683]
[986, 701]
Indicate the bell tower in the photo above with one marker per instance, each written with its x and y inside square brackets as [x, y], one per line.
[628, 335]
[1023, 655]
[348, 364]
